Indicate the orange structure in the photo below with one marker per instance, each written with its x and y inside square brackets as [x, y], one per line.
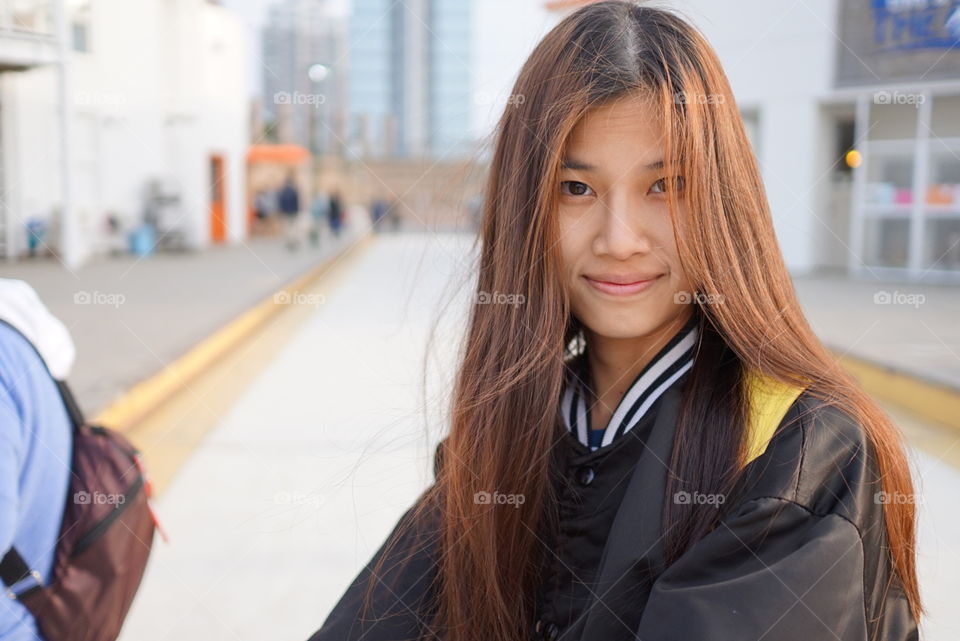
[267, 168]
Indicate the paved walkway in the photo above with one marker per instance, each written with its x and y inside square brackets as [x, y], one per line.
[131, 317]
[914, 329]
[306, 474]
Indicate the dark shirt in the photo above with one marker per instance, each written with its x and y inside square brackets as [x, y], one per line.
[289, 200]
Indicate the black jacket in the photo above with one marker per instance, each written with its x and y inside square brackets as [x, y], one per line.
[798, 554]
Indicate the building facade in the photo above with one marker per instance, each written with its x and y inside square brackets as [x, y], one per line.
[304, 74]
[144, 117]
[411, 64]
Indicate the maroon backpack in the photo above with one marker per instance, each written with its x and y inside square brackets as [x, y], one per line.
[104, 542]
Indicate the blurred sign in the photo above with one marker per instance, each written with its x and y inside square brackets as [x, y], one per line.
[894, 41]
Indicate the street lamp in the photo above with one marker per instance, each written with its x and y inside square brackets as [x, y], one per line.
[317, 73]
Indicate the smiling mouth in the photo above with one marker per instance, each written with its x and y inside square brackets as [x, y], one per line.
[622, 288]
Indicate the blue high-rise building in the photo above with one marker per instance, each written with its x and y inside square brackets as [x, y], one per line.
[410, 71]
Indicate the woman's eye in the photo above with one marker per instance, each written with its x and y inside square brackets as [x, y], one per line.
[660, 186]
[574, 188]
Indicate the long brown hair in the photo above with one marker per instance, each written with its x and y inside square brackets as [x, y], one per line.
[505, 406]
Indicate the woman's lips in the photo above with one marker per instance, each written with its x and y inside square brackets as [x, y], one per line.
[622, 289]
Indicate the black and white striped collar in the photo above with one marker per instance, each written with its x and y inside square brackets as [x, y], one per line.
[670, 363]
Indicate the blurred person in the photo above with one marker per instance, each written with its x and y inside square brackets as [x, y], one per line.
[288, 200]
[318, 215]
[335, 213]
[36, 235]
[474, 211]
[71, 567]
[114, 238]
[262, 208]
[648, 441]
[393, 214]
[35, 442]
[378, 209]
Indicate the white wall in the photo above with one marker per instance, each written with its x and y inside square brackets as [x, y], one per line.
[505, 33]
[163, 86]
[778, 57]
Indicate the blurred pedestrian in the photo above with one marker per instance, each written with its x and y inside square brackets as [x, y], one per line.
[335, 213]
[35, 443]
[36, 235]
[262, 208]
[393, 215]
[475, 211]
[378, 211]
[261, 204]
[318, 213]
[289, 202]
[71, 567]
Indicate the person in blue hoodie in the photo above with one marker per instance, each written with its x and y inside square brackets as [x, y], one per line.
[35, 443]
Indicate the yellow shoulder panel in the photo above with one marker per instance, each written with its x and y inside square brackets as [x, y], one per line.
[769, 401]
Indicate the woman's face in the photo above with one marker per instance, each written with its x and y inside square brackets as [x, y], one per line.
[621, 265]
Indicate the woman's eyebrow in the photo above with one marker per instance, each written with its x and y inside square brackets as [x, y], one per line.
[579, 165]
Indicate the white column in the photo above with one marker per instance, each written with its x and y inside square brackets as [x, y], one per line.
[70, 243]
[859, 192]
[921, 162]
[788, 163]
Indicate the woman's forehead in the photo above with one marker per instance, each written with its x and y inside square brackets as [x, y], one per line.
[626, 125]
[629, 115]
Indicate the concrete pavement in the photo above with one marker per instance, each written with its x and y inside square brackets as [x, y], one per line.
[301, 479]
[130, 317]
[901, 341]
[909, 328]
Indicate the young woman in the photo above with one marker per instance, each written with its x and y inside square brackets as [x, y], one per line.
[607, 474]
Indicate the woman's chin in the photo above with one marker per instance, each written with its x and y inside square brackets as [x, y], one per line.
[624, 329]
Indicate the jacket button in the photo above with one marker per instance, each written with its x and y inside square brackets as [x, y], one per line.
[585, 475]
[550, 631]
[547, 630]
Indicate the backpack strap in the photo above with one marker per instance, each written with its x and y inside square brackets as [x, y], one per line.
[71, 405]
[69, 402]
[13, 568]
[769, 400]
